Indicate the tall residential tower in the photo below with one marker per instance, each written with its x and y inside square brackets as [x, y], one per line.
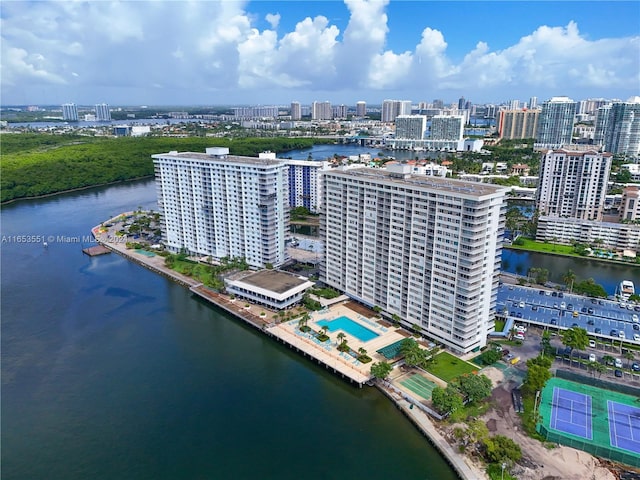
[218, 205]
[555, 123]
[424, 248]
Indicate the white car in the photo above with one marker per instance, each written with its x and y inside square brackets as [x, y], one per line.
[521, 304]
[636, 337]
[521, 328]
[592, 343]
[592, 357]
[635, 318]
[519, 336]
[618, 363]
[563, 305]
[621, 334]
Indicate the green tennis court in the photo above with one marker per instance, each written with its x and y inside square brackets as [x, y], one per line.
[419, 385]
[598, 421]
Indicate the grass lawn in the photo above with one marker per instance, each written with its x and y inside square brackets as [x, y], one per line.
[500, 325]
[532, 245]
[448, 367]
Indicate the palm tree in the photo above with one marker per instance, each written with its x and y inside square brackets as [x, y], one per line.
[512, 332]
[598, 367]
[362, 351]
[324, 329]
[568, 279]
[628, 355]
[608, 359]
[341, 337]
[302, 323]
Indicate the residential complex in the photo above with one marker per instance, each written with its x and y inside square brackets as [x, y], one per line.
[447, 127]
[630, 204]
[296, 111]
[411, 126]
[361, 109]
[555, 123]
[305, 187]
[573, 183]
[620, 131]
[103, 114]
[393, 108]
[70, 112]
[615, 236]
[218, 205]
[424, 248]
[321, 111]
[518, 123]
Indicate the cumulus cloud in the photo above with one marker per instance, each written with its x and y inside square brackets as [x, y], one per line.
[214, 52]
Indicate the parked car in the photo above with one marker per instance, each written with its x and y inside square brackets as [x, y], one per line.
[534, 308]
[590, 311]
[621, 334]
[521, 305]
[519, 314]
[554, 321]
[636, 337]
[636, 326]
[590, 321]
[592, 343]
[570, 306]
[635, 366]
[635, 318]
[618, 373]
[613, 332]
[519, 336]
[560, 294]
[505, 352]
[583, 309]
[563, 305]
[541, 292]
[509, 357]
[575, 313]
[598, 330]
[618, 363]
[592, 357]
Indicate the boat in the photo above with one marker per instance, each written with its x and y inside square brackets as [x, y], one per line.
[626, 289]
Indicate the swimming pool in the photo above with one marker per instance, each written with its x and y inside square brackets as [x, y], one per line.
[352, 328]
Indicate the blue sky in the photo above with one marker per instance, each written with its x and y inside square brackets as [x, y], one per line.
[212, 52]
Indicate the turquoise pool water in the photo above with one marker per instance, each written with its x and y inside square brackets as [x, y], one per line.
[349, 326]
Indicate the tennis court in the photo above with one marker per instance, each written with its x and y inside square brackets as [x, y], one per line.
[571, 413]
[602, 422]
[624, 426]
[420, 385]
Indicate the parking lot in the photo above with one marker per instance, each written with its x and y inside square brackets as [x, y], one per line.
[604, 319]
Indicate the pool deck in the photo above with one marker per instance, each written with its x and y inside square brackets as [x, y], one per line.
[327, 352]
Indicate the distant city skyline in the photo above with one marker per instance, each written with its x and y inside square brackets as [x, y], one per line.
[275, 53]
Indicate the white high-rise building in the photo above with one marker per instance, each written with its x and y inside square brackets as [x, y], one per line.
[393, 108]
[361, 109]
[621, 134]
[555, 123]
[220, 205]
[573, 184]
[103, 114]
[296, 111]
[447, 127]
[601, 124]
[411, 126]
[321, 111]
[305, 187]
[424, 248]
[70, 112]
[533, 102]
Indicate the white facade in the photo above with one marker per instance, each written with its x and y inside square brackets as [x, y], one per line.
[296, 111]
[321, 111]
[411, 126]
[555, 123]
[70, 112]
[447, 127]
[573, 184]
[393, 108]
[616, 236]
[103, 114]
[305, 187]
[222, 205]
[630, 204]
[425, 248]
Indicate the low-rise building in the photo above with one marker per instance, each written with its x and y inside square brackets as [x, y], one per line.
[272, 288]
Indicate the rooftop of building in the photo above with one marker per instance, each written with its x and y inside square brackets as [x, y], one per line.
[422, 181]
[578, 152]
[272, 280]
[227, 158]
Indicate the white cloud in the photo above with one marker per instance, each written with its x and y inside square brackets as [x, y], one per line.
[273, 19]
[213, 52]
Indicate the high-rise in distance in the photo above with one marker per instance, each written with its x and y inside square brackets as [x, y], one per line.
[70, 112]
[555, 123]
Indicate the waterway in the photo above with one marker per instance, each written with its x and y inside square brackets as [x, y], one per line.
[111, 371]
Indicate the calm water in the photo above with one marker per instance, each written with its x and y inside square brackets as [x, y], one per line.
[112, 372]
[609, 275]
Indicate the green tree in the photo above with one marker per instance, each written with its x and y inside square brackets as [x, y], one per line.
[302, 324]
[490, 356]
[381, 370]
[500, 449]
[446, 400]
[538, 372]
[628, 356]
[575, 338]
[569, 278]
[608, 359]
[341, 337]
[474, 387]
[324, 330]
